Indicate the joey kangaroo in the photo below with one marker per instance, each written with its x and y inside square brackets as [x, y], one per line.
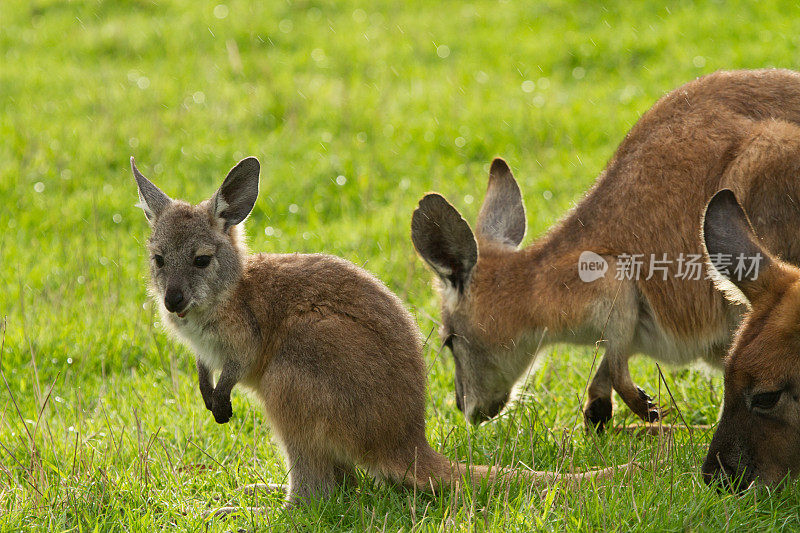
[758, 435]
[737, 130]
[331, 353]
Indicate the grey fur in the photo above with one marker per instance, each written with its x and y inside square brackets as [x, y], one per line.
[502, 217]
[151, 199]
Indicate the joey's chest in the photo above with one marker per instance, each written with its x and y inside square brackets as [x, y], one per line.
[203, 339]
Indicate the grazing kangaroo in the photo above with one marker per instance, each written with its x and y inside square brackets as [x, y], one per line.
[758, 435]
[330, 352]
[580, 282]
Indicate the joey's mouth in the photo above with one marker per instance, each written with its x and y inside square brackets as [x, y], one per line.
[182, 313]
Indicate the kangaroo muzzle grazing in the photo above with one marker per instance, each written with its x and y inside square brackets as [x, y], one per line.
[625, 267]
[331, 353]
[758, 435]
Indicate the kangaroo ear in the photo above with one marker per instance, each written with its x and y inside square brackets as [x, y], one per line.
[502, 216]
[444, 240]
[732, 248]
[151, 199]
[237, 195]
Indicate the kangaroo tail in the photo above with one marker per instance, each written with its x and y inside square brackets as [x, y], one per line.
[433, 471]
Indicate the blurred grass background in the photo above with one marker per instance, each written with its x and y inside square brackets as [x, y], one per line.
[355, 109]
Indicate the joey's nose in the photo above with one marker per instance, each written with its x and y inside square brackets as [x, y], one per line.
[173, 300]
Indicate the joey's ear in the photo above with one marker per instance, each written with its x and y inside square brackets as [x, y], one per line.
[732, 248]
[237, 195]
[444, 240]
[502, 216]
[151, 199]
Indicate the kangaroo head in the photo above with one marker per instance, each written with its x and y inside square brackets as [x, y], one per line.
[196, 251]
[488, 359]
[758, 435]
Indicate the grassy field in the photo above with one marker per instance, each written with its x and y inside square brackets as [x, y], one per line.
[355, 109]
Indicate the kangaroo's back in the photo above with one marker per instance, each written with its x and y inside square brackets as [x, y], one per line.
[650, 198]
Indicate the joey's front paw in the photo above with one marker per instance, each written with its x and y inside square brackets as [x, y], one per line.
[597, 414]
[650, 412]
[222, 409]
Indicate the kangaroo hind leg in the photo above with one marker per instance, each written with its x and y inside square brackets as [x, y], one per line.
[311, 477]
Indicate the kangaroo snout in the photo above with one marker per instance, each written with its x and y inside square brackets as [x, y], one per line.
[174, 300]
[482, 414]
[727, 467]
[717, 473]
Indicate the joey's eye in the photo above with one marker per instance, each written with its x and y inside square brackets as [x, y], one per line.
[765, 400]
[159, 260]
[202, 261]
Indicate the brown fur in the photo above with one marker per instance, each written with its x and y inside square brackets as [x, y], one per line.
[330, 352]
[737, 130]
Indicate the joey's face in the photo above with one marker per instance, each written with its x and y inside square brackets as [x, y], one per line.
[195, 251]
[192, 261]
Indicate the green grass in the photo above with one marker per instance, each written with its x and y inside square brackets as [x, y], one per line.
[101, 425]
